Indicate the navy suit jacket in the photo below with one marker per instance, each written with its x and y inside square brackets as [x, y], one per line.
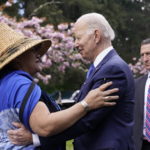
[107, 128]
[139, 111]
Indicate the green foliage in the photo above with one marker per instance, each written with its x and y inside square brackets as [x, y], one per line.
[2, 2]
[69, 81]
[46, 9]
[74, 8]
[69, 145]
[13, 11]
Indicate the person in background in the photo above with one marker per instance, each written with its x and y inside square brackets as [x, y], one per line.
[107, 128]
[142, 101]
[22, 100]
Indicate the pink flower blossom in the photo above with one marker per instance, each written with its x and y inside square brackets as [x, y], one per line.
[8, 4]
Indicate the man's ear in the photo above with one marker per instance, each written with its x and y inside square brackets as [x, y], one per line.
[97, 36]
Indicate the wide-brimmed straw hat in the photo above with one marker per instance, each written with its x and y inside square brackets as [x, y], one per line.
[13, 44]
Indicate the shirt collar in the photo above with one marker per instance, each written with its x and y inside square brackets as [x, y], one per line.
[101, 56]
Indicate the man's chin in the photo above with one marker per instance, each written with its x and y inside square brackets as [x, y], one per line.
[147, 67]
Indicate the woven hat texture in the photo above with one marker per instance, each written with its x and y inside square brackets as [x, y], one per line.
[13, 44]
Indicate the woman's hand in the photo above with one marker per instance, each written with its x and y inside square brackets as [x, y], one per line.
[101, 97]
[20, 136]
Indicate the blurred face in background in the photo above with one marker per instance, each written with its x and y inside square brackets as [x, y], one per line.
[145, 55]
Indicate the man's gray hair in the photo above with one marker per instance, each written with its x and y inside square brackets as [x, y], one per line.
[98, 21]
[146, 41]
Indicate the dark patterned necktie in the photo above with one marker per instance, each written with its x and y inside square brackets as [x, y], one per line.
[91, 69]
[147, 130]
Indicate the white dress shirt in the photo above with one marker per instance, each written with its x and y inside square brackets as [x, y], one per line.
[36, 140]
[101, 56]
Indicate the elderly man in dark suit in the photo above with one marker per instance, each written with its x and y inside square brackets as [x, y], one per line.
[105, 128]
[142, 126]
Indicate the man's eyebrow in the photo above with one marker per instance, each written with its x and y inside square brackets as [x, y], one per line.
[145, 53]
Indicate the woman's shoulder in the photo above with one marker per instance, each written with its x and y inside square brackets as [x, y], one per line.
[19, 80]
[19, 77]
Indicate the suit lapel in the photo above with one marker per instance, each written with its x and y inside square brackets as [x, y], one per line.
[106, 58]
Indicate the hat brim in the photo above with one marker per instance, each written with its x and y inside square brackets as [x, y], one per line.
[22, 46]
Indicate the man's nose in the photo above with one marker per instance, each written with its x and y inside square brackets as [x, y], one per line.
[76, 42]
[76, 45]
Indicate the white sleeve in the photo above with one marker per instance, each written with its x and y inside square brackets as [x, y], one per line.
[36, 141]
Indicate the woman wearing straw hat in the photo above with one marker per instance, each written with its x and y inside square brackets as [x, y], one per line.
[22, 100]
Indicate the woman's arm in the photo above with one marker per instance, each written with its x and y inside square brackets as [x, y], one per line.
[45, 123]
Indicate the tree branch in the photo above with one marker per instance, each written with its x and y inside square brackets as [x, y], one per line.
[42, 6]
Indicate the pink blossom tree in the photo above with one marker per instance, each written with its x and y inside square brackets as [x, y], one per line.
[137, 67]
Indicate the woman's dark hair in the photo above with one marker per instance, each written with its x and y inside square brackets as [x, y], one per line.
[7, 69]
